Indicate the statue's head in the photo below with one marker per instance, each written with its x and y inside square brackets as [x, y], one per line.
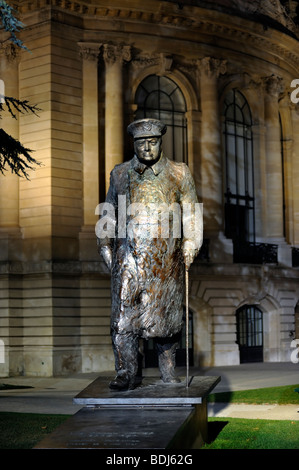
[147, 134]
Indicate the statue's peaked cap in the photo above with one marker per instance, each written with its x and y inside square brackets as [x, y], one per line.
[146, 128]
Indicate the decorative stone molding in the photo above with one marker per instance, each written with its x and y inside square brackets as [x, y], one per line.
[190, 67]
[10, 51]
[166, 62]
[116, 53]
[250, 81]
[145, 60]
[211, 67]
[89, 51]
[274, 85]
[141, 61]
[271, 8]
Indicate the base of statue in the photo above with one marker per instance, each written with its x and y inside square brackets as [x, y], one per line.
[152, 416]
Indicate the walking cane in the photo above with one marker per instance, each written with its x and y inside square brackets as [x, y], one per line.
[187, 324]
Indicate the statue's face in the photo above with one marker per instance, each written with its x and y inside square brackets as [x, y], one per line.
[148, 149]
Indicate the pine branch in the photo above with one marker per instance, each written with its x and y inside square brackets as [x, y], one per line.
[10, 23]
[15, 156]
[14, 104]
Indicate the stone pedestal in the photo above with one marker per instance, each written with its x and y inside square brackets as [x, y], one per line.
[152, 416]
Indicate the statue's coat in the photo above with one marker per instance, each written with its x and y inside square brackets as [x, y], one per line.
[147, 275]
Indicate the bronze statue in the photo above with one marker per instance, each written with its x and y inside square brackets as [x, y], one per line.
[147, 257]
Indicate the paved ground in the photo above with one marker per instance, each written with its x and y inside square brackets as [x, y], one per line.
[55, 394]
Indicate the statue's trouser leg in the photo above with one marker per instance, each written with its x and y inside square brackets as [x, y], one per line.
[125, 347]
[166, 349]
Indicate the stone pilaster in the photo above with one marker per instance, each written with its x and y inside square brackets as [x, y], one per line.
[295, 174]
[273, 88]
[194, 123]
[260, 183]
[89, 53]
[114, 57]
[210, 69]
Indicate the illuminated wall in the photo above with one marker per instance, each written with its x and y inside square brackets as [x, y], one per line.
[86, 63]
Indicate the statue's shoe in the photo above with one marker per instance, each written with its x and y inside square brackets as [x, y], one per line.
[121, 382]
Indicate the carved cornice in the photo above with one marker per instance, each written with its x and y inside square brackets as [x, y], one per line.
[171, 14]
[255, 39]
[184, 18]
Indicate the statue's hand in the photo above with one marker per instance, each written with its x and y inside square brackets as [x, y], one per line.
[188, 253]
[107, 255]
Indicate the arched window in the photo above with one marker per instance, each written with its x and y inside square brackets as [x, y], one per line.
[250, 333]
[239, 171]
[161, 98]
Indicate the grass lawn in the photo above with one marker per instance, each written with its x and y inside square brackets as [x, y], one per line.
[24, 430]
[284, 395]
[237, 433]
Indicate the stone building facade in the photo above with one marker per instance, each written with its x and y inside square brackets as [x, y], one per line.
[221, 75]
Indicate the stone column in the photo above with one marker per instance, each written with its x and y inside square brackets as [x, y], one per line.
[114, 57]
[89, 53]
[258, 142]
[194, 159]
[295, 174]
[273, 88]
[285, 109]
[212, 189]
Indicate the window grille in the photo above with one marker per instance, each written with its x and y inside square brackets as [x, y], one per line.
[250, 333]
[239, 170]
[161, 98]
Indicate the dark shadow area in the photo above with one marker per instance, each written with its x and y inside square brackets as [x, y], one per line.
[214, 429]
[13, 387]
[220, 397]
